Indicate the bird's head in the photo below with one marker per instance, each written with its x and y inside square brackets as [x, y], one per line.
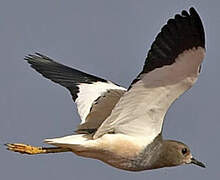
[174, 153]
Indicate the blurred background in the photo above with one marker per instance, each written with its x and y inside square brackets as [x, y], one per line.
[108, 39]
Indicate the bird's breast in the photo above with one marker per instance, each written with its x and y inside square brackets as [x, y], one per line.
[120, 151]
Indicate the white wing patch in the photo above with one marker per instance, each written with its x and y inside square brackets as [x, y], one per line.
[140, 112]
[88, 93]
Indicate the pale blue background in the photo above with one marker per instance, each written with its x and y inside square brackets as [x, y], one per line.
[108, 38]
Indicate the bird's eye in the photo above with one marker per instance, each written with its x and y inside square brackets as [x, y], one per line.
[184, 151]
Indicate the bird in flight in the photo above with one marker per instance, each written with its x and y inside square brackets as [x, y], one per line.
[123, 127]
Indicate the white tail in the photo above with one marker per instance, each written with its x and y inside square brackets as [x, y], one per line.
[71, 141]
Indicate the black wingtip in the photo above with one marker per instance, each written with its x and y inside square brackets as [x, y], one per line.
[35, 55]
[192, 10]
[38, 59]
[184, 31]
[65, 76]
[42, 56]
[197, 20]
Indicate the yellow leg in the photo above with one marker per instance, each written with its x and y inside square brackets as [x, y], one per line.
[31, 150]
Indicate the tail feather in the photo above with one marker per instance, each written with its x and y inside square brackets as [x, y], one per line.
[71, 141]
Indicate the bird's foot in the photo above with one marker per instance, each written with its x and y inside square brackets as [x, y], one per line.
[25, 148]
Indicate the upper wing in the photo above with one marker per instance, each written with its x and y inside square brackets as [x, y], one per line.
[85, 89]
[100, 110]
[171, 67]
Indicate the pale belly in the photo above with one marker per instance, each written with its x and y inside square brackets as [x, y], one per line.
[120, 151]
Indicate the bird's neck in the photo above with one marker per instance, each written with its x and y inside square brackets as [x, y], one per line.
[147, 158]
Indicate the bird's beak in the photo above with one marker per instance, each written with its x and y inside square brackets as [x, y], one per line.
[194, 161]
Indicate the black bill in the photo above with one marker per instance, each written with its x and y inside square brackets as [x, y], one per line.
[198, 163]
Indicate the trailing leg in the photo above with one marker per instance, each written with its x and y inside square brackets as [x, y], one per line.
[31, 150]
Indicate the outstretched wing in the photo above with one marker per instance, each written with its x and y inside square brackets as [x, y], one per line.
[171, 67]
[87, 90]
